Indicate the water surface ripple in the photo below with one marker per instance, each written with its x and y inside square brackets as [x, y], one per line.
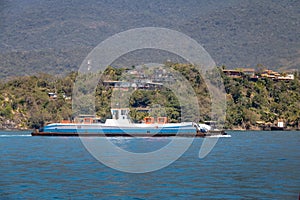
[249, 165]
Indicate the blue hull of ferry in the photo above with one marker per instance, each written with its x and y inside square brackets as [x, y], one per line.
[91, 130]
[119, 130]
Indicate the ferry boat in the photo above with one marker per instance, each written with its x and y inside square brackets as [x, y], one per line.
[121, 125]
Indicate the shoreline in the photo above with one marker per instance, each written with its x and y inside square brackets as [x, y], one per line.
[233, 129]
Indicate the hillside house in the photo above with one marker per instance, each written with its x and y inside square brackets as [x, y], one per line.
[233, 73]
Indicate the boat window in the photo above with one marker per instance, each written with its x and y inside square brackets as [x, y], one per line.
[123, 112]
[115, 114]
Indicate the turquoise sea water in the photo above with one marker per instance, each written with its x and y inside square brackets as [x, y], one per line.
[249, 165]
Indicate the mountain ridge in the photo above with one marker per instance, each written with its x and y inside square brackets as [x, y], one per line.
[56, 36]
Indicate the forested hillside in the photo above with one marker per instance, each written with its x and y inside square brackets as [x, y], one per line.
[26, 102]
[263, 100]
[55, 36]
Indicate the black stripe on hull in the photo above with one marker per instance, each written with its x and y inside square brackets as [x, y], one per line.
[127, 135]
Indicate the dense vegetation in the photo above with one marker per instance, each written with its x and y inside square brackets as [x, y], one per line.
[25, 102]
[55, 36]
[262, 100]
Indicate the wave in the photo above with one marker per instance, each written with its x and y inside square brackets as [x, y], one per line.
[9, 135]
[219, 136]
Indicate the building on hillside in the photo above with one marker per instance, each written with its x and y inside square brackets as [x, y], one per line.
[137, 84]
[238, 73]
[233, 73]
[52, 95]
[287, 77]
[249, 72]
[268, 73]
